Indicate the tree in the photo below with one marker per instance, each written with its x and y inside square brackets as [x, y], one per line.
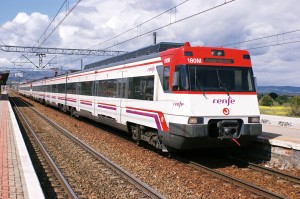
[266, 100]
[273, 95]
[295, 106]
[259, 96]
[282, 99]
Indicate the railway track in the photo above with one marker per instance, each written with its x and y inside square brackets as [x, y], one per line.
[266, 170]
[241, 182]
[59, 186]
[234, 190]
[139, 189]
[248, 186]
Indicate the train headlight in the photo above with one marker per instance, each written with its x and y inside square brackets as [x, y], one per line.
[195, 120]
[253, 119]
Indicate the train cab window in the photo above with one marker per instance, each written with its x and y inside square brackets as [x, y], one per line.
[166, 78]
[213, 78]
[183, 83]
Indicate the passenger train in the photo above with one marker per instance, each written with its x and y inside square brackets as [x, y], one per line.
[173, 96]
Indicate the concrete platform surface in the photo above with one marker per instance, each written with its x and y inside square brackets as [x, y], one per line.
[281, 131]
[17, 175]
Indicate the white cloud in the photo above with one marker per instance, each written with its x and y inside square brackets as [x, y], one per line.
[93, 22]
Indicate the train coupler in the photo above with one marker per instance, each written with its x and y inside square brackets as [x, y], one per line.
[228, 129]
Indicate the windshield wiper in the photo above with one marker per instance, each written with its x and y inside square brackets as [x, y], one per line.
[221, 84]
[200, 87]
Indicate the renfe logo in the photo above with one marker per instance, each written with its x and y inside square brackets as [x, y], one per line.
[151, 69]
[224, 101]
[226, 111]
[179, 104]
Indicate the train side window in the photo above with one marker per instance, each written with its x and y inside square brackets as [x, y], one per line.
[166, 78]
[86, 88]
[71, 88]
[141, 88]
[61, 88]
[54, 88]
[107, 88]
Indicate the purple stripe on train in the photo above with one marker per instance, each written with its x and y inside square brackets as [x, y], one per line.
[68, 99]
[147, 115]
[71, 100]
[86, 103]
[107, 107]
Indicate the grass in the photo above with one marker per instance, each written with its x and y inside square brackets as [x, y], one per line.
[274, 110]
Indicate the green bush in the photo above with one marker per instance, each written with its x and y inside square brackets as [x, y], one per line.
[295, 106]
[282, 99]
[266, 100]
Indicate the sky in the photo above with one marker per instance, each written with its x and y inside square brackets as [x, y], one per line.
[269, 29]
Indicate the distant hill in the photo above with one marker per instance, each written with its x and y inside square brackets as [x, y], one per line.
[282, 90]
[30, 76]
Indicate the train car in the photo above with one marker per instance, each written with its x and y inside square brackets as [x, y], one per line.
[173, 96]
[25, 89]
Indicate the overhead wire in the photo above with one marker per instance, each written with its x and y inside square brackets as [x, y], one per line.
[171, 23]
[140, 34]
[260, 38]
[159, 28]
[174, 22]
[148, 20]
[60, 21]
[44, 33]
[50, 23]
[160, 14]
[271, 45]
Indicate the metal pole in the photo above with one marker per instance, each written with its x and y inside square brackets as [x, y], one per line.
[154, 37]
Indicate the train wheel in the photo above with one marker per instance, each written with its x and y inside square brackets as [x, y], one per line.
[74, 112]
[136, 133]
[61, 108]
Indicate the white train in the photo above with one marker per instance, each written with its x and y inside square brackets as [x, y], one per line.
[173, 96]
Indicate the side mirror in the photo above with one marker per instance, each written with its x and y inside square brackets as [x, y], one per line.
[175, 81]
[255, 83]
[160, 71]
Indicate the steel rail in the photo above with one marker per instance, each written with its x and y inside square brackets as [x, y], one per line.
[51, 163]
[248, 186]
[268, 170]
[126, 175]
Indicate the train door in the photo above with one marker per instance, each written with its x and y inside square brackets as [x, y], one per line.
[95, 94]
[122, 94]
[165, 75]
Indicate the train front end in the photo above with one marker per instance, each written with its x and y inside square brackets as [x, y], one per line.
[213, 98]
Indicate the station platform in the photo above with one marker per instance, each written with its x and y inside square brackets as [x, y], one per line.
[280, 141]
[18, 179]
[281, 131]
